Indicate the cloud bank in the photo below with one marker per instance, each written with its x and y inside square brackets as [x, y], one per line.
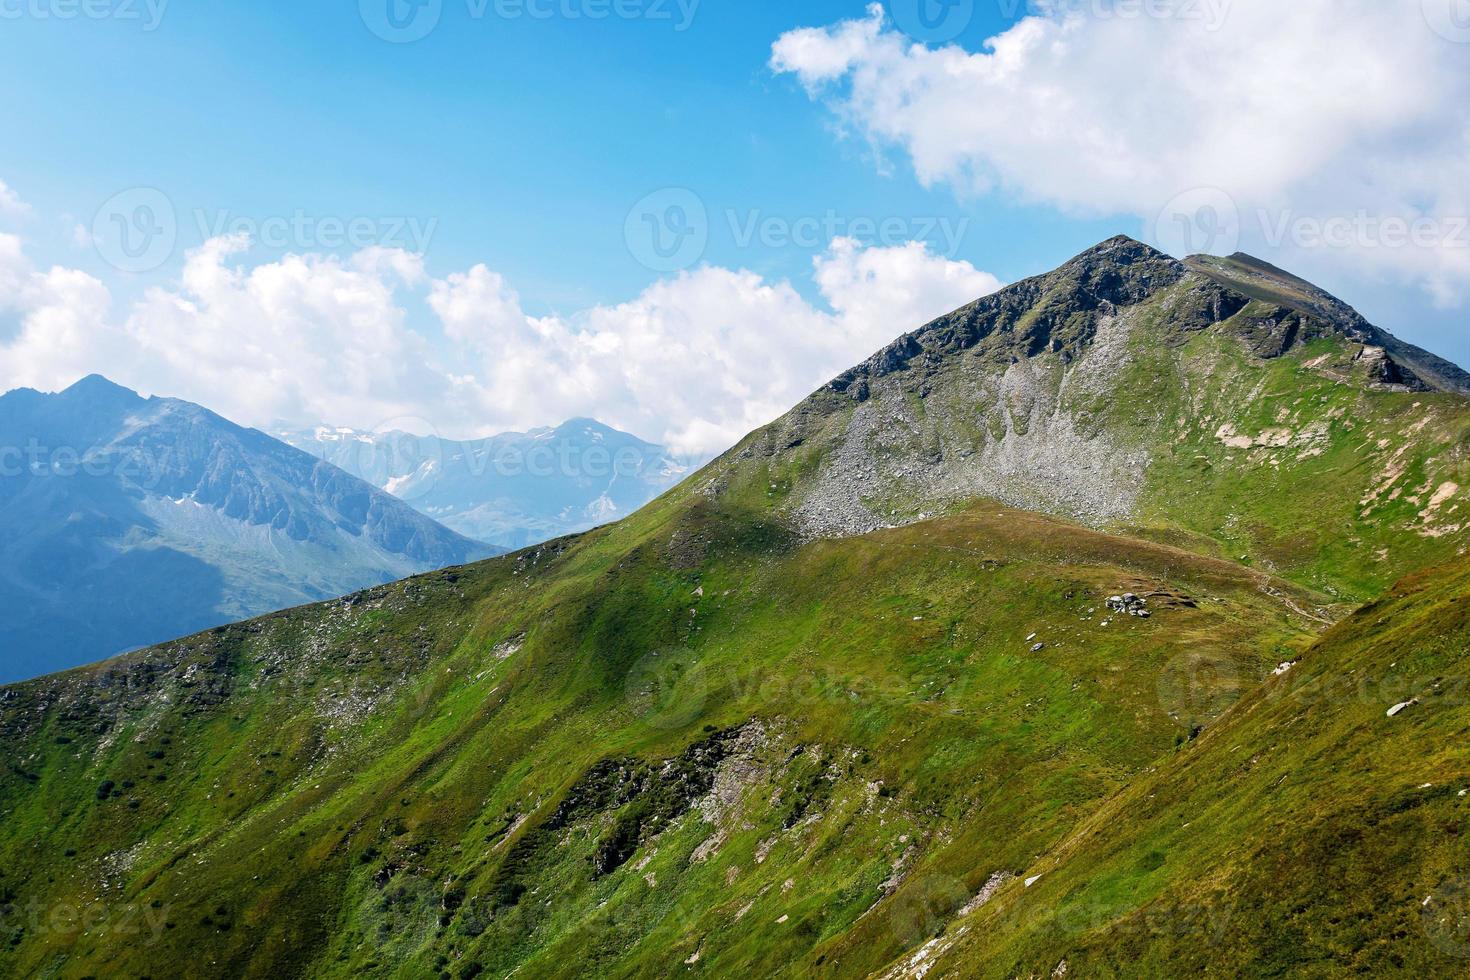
[372, 340]
[1252, 119]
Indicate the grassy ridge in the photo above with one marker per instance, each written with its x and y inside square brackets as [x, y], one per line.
[373, 786]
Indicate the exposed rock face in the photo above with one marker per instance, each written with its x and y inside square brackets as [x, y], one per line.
[1048, 313]
[1060, 393]
[1316, 313]
[1384, 370]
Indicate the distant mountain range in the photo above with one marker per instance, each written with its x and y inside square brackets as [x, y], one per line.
[126, 521]
[513, 489]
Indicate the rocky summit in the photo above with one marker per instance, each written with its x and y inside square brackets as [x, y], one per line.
[1112, 625]
[1219, 401]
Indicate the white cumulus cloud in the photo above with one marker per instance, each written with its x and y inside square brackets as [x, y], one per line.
[304, 338]
[696, 360]
[702, 358]
[1344, 112]
[52, 322]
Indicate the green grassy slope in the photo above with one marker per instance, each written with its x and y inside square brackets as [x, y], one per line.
[1291, 466]
[570, 761]
[1308, 833]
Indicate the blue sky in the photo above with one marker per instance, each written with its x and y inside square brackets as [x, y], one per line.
[527, 140]
[521, 142]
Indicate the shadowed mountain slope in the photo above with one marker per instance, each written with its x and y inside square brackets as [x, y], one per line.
[126, 521]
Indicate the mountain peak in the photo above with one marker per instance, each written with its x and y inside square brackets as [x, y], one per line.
[1053, 312]
[1058, 313]
[118, 497]
[592, 428]
[1121, 249]
[1058, 393]
[95, 386]
[583, 422]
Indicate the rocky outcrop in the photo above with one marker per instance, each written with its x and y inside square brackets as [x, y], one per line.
[1033, 396]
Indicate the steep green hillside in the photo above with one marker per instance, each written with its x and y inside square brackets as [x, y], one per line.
[1309, 833]
[829, 709]
[574, 760]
